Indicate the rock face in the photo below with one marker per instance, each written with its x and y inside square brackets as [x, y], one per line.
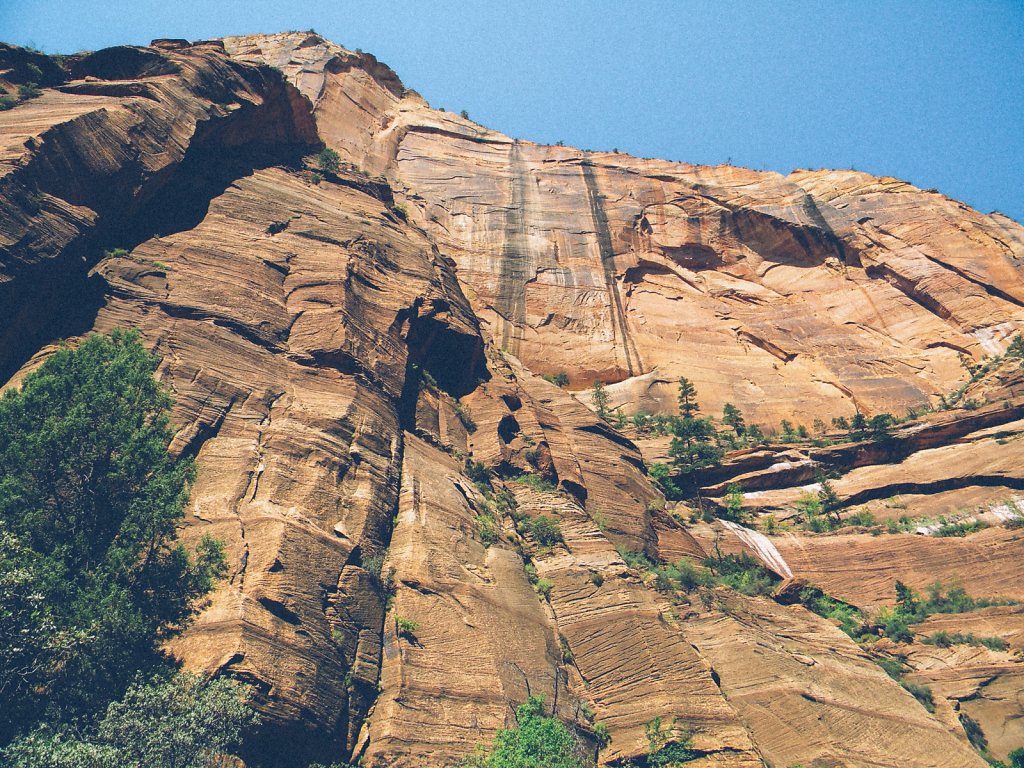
[352, 352]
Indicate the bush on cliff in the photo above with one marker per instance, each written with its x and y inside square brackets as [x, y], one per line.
[91, 575]
[537, 741]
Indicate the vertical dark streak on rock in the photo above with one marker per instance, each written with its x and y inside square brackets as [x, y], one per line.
[604, 244]
[516, 265]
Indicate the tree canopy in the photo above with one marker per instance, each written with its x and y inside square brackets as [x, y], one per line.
[92, 577]
[181, 722]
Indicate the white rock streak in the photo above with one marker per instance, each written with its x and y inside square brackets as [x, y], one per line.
[762, 547]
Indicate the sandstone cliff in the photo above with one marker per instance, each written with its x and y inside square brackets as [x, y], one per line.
[338, 347]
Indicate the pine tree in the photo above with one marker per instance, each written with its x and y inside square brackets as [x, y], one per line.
[599, 397]
[732, 416]
[688, 406]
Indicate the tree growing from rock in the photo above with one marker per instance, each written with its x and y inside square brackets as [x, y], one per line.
[688, 406]
[599, 397]
[733, 417]
[694, 444]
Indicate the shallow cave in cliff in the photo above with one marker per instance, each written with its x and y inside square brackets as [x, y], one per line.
[451, 358]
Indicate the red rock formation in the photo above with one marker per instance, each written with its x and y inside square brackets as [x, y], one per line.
[339, 347]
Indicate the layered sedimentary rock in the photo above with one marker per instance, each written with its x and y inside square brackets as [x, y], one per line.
[341, 342]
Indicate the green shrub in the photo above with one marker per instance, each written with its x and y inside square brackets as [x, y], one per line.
[893, 667]
[464, 416]
[733, 503]
[545, 531]
[535, 481]
[328, 161]
[537, 741]
[28, 91]
[635, 559]
[667, 746]
[944, 639]
[850, 620]
[406, 626]
[960, 529]
[742, 573]
[479, 473]
[974, 733]
[862, 518]
[531, 573]
[544, 587]
[7, 102]
[559, 379]
[487, 527]
[922, 693]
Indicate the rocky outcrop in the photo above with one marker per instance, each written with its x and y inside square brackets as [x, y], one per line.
[354, 352]
[136, 145]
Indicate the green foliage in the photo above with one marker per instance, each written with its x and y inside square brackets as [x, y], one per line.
[660, 474]
[505, 502]
[479, 473]
[183, 722]
[89, 504]
[960, 529]
[809, 506]
[922, 693]
[849, 619]
[732, 417]
[862, 518]
[599, 397]
[28, 91]
[544, 531]
[742, 573]
[328, 161]
[1016, 757]
[667, 746]
[974, 733]
[487, 527]
[560, 379]
[829, 499]
[7, 102]
[536, 482]
[635, 559]
[880, 426]
[537, 741]
[464, 114]
[733, 503]
[912, 608]
[944, 639]
[406, 626]
[1016, 349]
[687, 397]
[464, 416]
[693, 446]
[602, 735]
[683, 575]
[544, 587]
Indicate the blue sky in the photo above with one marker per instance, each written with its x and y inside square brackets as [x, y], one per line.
[931, 92]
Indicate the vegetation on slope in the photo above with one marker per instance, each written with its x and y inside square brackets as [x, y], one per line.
[92, 577]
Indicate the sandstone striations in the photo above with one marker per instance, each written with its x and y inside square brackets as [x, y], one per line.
[356, 358]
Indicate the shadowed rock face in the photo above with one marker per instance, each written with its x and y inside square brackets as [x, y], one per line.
[338, 348]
